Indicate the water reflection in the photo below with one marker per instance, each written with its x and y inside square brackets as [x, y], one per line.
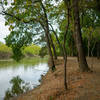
[31, 74]
[18, 87]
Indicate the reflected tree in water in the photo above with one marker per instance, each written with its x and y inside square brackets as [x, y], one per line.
[18, 87]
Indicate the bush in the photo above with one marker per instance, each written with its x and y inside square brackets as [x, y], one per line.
[5, 51]
[4, 48]
[31, 50]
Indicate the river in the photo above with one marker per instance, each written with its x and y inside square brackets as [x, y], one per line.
[29, 70]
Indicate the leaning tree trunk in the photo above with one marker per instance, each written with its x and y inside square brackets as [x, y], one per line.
[49, 49]
[53, 46]
[57, 39]
[48, 45]
[82, 59]
[47, 32]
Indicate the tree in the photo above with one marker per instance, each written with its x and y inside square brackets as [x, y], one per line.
[77, 29]
[38, 16]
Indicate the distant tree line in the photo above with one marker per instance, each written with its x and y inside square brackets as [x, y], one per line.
[29, 51]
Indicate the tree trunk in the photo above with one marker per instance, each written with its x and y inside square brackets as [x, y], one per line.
[60, 46]
[89, 39]
[48, 45]
[49, 49]
[67, 3]
[88, 47]
[98, 50]
[53, 46]
[46, 29]
[65, 71]
[82, 59]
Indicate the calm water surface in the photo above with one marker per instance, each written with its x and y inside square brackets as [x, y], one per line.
[29, 71]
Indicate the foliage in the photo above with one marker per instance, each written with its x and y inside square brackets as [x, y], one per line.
[17, 40]
[5, 51]
[31, 50]
[28, 51]
[93, 36]
[4, 48]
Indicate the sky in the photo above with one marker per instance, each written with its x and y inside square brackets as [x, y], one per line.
[4, 31]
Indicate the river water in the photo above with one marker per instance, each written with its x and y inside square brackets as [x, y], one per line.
[30, 73]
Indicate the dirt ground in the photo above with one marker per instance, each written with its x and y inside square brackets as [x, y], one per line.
[81, 86]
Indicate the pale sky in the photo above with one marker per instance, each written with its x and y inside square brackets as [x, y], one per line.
[4, 31]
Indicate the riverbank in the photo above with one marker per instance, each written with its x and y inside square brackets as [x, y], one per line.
[82, 86]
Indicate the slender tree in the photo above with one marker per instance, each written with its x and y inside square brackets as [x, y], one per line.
[67, 3]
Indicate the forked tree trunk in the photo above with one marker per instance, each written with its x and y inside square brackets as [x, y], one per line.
[82, 59]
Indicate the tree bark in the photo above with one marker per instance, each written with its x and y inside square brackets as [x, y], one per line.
[89, 39]
[53, 46]
[67, 3]
[49, 49]
[82, 59]
[98, 50]
[88, 47]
